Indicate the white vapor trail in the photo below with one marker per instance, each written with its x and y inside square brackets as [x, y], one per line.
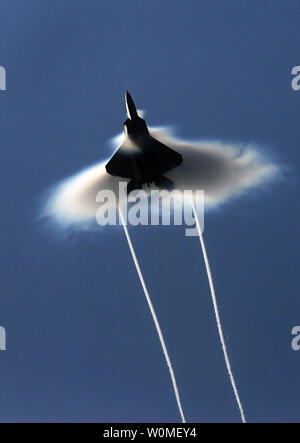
[217, 315]
[155, 319]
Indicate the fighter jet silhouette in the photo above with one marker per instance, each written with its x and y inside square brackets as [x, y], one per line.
[141, 157]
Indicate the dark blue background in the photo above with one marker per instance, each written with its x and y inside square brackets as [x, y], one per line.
[81, 344]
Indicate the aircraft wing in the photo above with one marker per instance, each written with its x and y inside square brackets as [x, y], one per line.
[163, 157]
[121, 163]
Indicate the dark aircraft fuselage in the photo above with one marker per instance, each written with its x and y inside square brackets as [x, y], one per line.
[137, 135]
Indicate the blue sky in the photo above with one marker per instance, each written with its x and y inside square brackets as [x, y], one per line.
[81, 345]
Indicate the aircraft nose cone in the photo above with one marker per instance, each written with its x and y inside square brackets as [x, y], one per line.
[130, 106]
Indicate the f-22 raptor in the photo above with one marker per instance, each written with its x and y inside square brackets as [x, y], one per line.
[141, 157]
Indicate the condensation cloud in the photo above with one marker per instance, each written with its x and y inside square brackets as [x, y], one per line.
[222, 170]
